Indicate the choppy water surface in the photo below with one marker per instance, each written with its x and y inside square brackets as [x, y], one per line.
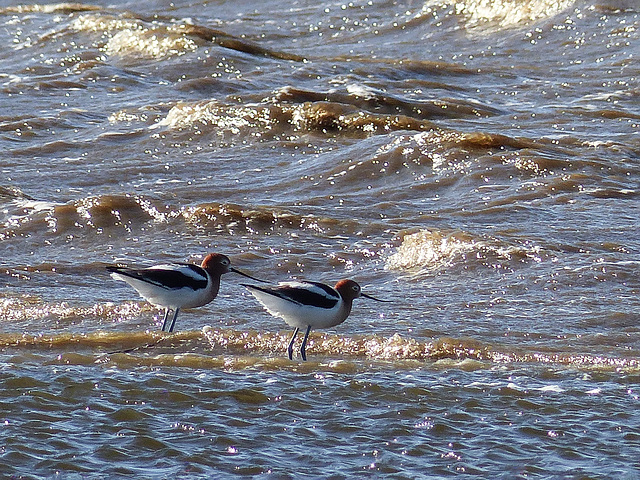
[475, 162]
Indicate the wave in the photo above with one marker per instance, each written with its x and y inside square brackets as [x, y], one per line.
[268, 122]
[157, 36]
[19, 311]
[262, 220]
[491, 16]
[228, 348]
[130, 35]
[356, 111]
[26, 215]
[371, 99]
[50, 8]
[425, 251]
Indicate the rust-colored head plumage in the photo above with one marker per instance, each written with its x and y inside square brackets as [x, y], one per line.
[348, 289]
[216, 264]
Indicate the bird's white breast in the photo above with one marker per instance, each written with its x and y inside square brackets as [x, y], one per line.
[296, 313]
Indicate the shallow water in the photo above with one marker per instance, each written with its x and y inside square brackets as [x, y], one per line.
[475, 162]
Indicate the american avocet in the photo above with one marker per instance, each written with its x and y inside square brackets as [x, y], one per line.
[180, 285]
[309, 305]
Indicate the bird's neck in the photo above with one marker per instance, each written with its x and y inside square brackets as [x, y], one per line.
[345, 310]
[214, 287]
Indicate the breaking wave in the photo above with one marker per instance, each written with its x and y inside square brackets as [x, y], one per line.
[233, 349]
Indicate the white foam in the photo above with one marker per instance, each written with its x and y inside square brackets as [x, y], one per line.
[135, 42]
[552, 389]
[133, 37]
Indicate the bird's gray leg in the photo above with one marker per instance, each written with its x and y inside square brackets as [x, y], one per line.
[173, 322]
[303, 348]
[290, 348]
[166, 317]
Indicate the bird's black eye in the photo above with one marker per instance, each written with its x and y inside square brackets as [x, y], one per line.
[225, 262]
[356, 288]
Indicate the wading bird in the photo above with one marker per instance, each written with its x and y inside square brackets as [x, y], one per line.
[179, 285]
[309, 305]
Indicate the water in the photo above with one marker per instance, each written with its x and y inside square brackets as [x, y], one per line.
[475, 162]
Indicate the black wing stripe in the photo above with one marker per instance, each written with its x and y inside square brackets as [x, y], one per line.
[302, 296]
[169, 279]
